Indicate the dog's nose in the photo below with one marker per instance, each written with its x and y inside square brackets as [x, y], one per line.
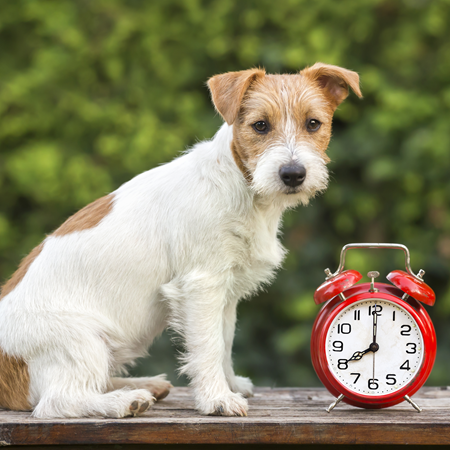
[293, 175]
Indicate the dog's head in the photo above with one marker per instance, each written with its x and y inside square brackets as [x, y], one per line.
[282, 126]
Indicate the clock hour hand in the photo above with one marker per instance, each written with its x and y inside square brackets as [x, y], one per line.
[358, 355]
[373, 347]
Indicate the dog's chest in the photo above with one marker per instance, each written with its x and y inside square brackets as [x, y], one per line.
[256, 251]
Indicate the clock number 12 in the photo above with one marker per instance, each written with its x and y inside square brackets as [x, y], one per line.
[376, 310]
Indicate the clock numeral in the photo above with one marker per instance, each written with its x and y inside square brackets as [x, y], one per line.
[373, 384]
[406, 330]
[413, 349]
[342, 364]
[376, 310]
[338, 346]
[405, 365]
[357, 377]
[357, 314]
[393, 316]
[391, 378]
[344, 328]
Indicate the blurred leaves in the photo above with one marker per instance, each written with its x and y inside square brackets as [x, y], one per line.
[92, 93]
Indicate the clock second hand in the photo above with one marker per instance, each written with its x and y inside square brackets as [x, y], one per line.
[373, 375]
[374, 344]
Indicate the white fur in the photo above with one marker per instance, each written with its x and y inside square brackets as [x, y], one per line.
[182, 244]
[267, 182]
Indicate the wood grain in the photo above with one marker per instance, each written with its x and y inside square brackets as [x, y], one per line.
[276, 416]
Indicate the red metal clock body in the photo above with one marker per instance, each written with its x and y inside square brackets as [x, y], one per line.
[373, 345]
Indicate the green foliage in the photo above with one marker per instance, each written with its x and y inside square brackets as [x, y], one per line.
[94, 92]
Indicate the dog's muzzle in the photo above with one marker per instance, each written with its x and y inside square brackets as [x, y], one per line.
[293, 175]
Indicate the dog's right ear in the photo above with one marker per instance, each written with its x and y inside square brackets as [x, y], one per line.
[228, 89]
[334, 81]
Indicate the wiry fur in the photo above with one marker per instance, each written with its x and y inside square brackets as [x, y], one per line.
[176, 246]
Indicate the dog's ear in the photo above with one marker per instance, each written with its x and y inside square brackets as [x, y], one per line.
[334, 81]
[228, 89]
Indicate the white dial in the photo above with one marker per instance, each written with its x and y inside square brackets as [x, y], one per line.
[374, 354]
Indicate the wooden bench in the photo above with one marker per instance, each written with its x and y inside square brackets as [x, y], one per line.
[277, 416]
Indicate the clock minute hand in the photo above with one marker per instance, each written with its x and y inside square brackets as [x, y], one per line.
[375, 315]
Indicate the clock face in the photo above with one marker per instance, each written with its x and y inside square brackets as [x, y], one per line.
[379, 367]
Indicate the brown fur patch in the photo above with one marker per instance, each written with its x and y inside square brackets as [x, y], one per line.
[88, 217]
[228, 89]
[14, 383]
[21, 271]
[334, 81]
[239, 156]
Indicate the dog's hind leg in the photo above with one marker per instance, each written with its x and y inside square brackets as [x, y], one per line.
[115, 404]
[71, 380]
[158, 386]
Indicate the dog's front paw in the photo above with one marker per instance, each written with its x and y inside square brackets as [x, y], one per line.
[141, 400]
[228, 405]
[242, 385]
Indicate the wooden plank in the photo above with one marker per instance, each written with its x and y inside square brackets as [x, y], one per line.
[276, 416]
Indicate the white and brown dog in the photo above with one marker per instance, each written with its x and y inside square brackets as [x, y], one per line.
[176, 246]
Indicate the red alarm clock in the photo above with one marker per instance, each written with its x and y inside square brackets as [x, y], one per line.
[373, 344]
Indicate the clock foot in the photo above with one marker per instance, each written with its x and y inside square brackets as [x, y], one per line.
[413, 404]
[335, 403]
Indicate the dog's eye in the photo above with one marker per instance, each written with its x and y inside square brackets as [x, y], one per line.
[261, 126]
[313, 124]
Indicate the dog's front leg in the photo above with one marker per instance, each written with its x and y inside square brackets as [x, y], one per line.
[239, 384]
[198, 302]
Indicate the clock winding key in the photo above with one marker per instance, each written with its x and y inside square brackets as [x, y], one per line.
[374, 274]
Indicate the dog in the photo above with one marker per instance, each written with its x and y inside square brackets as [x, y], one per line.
[177, 246]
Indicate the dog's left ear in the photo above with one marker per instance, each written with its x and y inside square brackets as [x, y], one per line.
[228, 90]
[334, 81]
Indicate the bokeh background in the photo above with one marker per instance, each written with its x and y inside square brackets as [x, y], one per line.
[94, 92]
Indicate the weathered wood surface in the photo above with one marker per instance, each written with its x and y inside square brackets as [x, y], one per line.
[276, 416]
